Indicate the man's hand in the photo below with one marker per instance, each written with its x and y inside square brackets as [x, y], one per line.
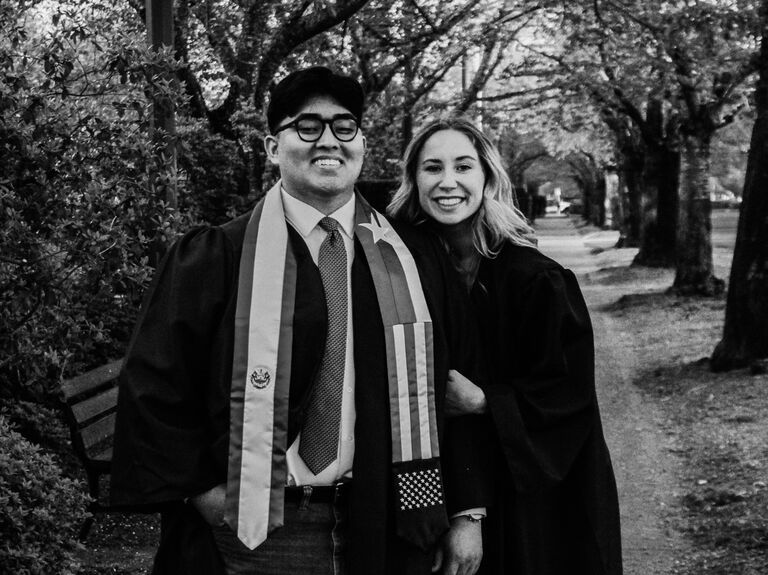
[211, 505]
[462, 397]
[461, 549]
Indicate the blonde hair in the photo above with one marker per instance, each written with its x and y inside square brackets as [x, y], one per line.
[496, 220]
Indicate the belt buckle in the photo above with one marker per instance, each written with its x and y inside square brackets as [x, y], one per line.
[340, 491]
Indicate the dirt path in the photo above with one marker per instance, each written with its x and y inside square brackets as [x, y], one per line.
[641, 451]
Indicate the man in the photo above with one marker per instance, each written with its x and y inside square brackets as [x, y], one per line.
[282, 395]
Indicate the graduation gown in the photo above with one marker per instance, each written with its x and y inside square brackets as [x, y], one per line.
[172, 431]
[556, 508]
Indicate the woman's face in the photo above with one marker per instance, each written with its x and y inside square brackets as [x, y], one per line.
[449, 177]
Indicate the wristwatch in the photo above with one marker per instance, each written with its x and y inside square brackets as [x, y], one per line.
[473, 517]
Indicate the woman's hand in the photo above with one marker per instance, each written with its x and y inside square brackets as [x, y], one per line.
[461, 549]
[462, 397]
[211, 505]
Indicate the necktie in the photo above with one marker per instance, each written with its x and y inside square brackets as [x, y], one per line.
[320, 431]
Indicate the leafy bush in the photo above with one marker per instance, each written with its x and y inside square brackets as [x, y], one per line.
[82, 209]
[42, 426]
[40, 510]
[216, 172]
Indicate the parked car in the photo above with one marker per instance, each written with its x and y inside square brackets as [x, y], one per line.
[555, 207]
[724, 199]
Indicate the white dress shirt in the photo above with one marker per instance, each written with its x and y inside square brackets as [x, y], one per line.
[305, 219]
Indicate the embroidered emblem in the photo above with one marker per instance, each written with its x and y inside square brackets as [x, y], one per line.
[260, 377]
[419, 489]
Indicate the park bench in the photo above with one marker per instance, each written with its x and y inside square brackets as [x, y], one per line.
[90, 402]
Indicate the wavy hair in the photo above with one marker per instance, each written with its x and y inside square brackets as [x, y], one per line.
[496, 220]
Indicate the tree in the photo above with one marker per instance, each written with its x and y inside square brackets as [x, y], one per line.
[590, 177]
[519, 153]
[401, 51]
[409, 52]
[709, 49]
[661, 181]
[587, 64]
[678, 73]
[745, 333]
[232, 51]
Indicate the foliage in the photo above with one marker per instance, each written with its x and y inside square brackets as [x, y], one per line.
[215, 174]
[80, 212]
[414, 61]
[41, 425]
[42, 510]
[231, 52]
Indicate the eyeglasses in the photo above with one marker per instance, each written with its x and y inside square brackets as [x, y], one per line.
[310, 127]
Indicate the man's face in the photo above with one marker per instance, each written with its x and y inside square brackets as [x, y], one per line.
[321, 173]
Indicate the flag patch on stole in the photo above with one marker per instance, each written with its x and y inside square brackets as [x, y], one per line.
[419, 489]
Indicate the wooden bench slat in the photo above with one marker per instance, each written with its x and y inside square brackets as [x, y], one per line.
[91, 380]
[105, 455]
[98, 431]
[96, 405]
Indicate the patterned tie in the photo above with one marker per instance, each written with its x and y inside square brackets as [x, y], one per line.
[320, 431]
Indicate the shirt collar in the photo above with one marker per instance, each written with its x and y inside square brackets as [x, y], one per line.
[305, 218]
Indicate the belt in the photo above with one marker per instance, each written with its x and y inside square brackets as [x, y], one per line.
[306, 494]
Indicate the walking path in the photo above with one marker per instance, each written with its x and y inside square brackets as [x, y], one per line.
[643, 463]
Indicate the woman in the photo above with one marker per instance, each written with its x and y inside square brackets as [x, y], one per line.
[556, 510]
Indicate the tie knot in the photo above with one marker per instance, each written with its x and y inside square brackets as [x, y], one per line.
[329, 224]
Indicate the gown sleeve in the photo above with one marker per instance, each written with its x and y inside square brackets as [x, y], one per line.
[163, 441]
[544, 407]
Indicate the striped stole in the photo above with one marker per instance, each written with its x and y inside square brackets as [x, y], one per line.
[262, 368]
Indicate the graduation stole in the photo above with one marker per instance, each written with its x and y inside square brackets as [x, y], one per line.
[261, 375]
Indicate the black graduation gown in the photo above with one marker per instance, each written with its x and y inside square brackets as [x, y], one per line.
[556, 509]
[172, 431]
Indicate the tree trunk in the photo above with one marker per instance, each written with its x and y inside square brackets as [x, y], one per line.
[532, 190]
[601, 191]
[587, 198]
[523, 195]
[661, 178]
[694, 271]
[745, 334]
[668, 201]
[631, 175]
[590, 179]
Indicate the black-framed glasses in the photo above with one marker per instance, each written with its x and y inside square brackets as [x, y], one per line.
[310, 127]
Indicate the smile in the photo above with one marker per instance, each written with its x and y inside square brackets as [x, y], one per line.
[448, 202]
[327, 162]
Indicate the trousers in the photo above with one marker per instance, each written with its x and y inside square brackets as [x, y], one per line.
[311, 542]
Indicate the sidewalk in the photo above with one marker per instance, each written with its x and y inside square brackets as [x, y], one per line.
[640, 449]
